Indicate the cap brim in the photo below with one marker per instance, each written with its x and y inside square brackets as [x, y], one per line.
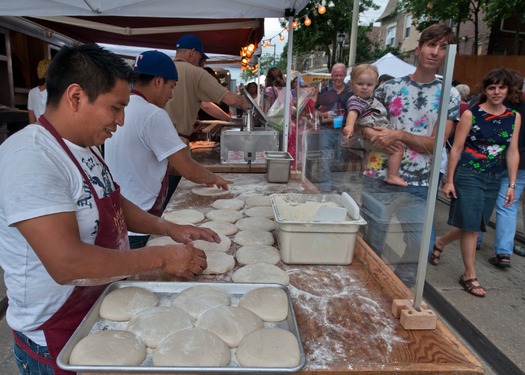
[204, 56]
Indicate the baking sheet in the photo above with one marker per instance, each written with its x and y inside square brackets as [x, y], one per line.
[166, 291]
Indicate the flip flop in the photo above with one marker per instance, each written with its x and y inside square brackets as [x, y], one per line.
[500, 260]
[518, 250]
[435, 260]
[470, 288]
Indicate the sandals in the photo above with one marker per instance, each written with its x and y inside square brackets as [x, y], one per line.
[500, 260]
[435, 259]
[470, 288]
[518, 250]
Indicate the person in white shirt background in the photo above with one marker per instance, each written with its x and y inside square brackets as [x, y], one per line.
[37, 98]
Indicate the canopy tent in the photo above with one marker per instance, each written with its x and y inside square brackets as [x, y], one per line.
[394, 66]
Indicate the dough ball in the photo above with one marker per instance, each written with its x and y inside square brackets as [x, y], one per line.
[270, 304]
[258, 201]
[109, 348]
[253, 237]
[200, 298]
[192, 347]
[221, 227]
[228, 204]
[162, 241]
[260, 273]
[269, 347]
[257, 254]
[186, 216]
[230, 323]
[155, 323]
[222, 246]
[121, 304]
[257, 223]
[261, 211]
[205, 191]
[229, 216]
[218, 263]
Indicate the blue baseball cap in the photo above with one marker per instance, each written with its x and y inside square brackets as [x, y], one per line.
[189, 41]
[157, 64]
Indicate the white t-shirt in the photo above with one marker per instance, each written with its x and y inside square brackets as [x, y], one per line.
[138, 152]
[38, 178]
[36, 101]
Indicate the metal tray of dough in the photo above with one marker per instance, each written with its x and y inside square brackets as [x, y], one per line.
[166, 291]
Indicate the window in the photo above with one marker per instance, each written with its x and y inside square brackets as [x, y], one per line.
[408, 25]
[390, 35]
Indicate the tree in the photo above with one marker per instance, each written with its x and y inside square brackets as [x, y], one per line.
[266, 61]
[497, 10]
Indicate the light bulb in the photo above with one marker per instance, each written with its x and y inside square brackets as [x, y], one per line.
[321, 9]
[295, 24]
[251, 47]
[269, 43]
[281, 37]
[307, 21]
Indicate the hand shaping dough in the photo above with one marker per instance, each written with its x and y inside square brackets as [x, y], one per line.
[253, 237]
[269, 347]
[221, 227]
[260, 211]
[155, 323]
[218, 263]
[257, 254]
[259, 201]
[270, 304]
[230, 323]
[109, 348]
[229, 216]
[200, 298]
[205, 191]
[260, 273]
[186, 216]
[228, 204]
[192, 347]
[257, 223]
[222, 246]
[162, 241]
[121, 304]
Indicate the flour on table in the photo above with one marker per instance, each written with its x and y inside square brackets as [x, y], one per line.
[260, 211]
[192, 347]
[205, 191]
[186, 216]
[228, 204]
[109, 348]
[221, 227]
[222, 246]
[230, 323]
[258, 223]
[269, 347]
[218, 263]
[230, 216]
[200, 298]
[122, 303]
[257, 254]
[258, 201]
[260, 273]
[270, 304]
[253, 237]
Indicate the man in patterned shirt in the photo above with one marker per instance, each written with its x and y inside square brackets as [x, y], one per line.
[412, 104]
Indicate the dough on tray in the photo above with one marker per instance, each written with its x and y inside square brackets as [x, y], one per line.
[257, 223]
[192, 347]
[218, 263]
[222, 246]
[228, 204]
[109, 348]
[270, 304]
[260, 211]
[155, 323]
[198, 299]
[260, 273]
[221, 227]
[257, 254]
[229, 216]
[269, 347]
[230, 323]
[122, 303]
[186, 216]
[253, 237]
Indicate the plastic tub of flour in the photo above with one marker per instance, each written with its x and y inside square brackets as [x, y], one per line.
[302, 240]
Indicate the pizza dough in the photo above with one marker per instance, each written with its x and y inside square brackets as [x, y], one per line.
[253, 237]
[270, 304]
[230, 323]
[259, 201]
[218, 263]
[260, 273]
[192, 347]
[200, 298]
[153, 324]
[109, 348]
[205, 191]
[269, 347]
[121, 304]
[229, 216]
[258, 254]
[228, 204]
[260, 211]
[186, 216]
[222, 246]
[257, 223]
[162, 241]
[221, 227]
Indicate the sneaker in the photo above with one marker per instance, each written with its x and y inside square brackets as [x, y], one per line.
[518, 250]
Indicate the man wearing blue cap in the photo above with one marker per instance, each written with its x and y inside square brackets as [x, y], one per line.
[138, 154]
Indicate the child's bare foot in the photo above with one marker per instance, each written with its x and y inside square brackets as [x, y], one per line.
[395, 180]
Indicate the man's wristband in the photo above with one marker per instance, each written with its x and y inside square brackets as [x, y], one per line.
[512, 186]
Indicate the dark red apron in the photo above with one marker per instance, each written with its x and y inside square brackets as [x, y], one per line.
[158, 207]
[112, 233]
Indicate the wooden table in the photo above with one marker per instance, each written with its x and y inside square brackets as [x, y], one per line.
[344, 312]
